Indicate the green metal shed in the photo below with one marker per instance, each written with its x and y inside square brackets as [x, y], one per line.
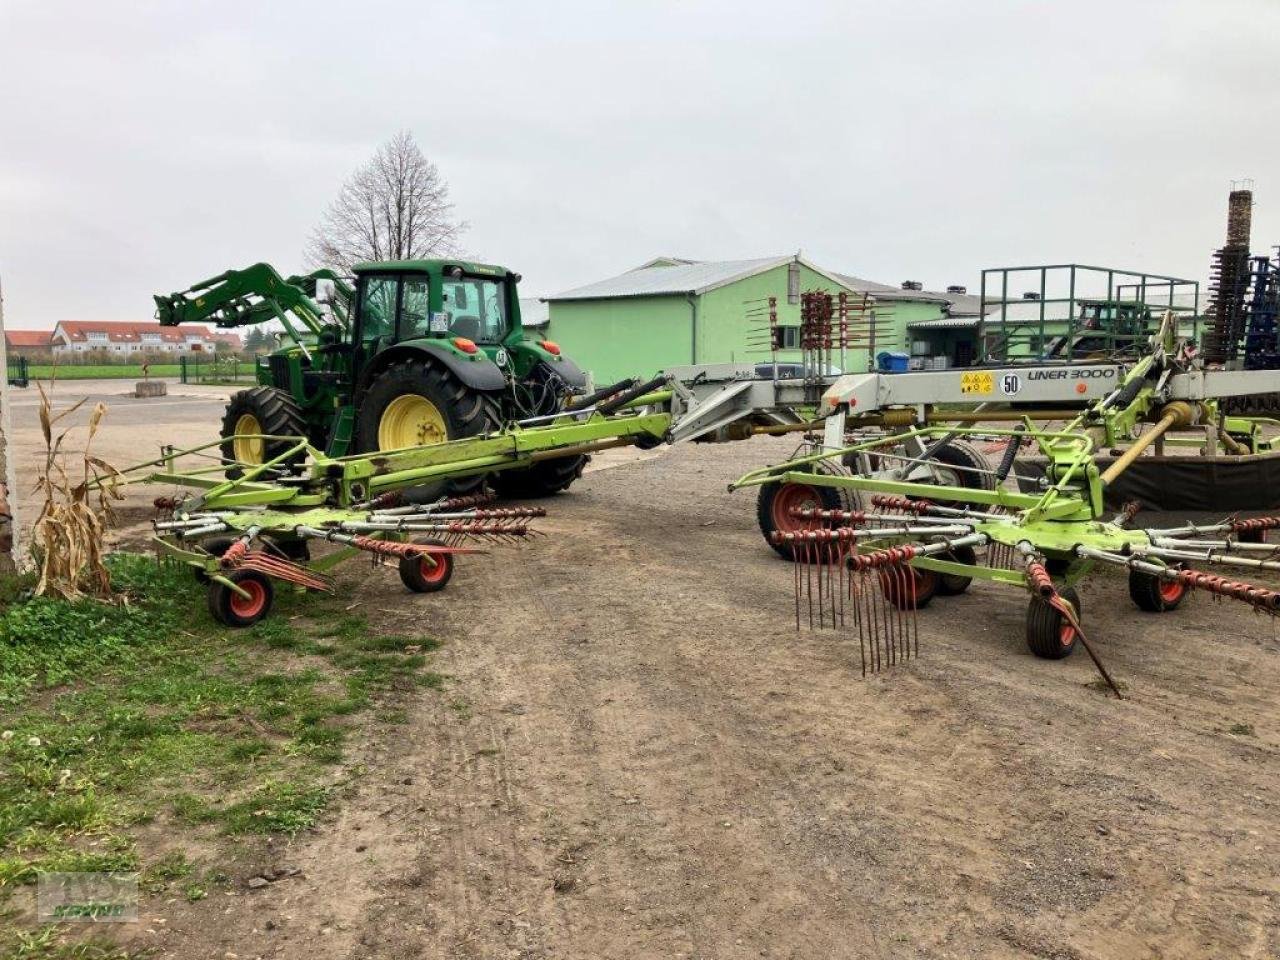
[671, 311]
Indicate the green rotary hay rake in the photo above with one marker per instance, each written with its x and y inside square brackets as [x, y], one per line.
[874, 567]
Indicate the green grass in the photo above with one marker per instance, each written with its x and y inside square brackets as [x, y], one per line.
[147, 712]
[100, 371]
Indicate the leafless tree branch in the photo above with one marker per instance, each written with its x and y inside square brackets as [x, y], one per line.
[395, 207]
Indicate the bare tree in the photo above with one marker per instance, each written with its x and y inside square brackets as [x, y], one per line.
[395, 207]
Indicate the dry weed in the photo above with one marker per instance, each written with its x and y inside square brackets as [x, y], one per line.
[68, 537]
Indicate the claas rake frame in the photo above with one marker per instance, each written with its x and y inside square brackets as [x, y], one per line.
[243, 527]
[921, 538]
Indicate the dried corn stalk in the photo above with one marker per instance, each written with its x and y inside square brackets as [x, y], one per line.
[68, 536]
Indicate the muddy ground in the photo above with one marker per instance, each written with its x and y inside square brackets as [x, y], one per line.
[639, 756]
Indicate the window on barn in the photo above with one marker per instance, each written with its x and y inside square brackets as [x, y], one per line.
[793, 283]
[789, 338]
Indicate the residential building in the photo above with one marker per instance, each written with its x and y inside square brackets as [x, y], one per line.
[27, 343]
[111, 339]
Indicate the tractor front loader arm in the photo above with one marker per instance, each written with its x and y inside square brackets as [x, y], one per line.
[256, 294]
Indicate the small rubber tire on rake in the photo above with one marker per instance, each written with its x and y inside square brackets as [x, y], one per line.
[924, 584]
[952, 584]
[1154, 595]
[1050, 635]
[421, 576]
[233, 610]
[776, 500]
[216, 546]
[1252, 536]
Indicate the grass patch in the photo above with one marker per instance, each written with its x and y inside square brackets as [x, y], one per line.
[113, 716]
[1241, 729]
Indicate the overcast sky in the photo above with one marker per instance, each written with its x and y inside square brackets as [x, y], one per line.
[145, 146]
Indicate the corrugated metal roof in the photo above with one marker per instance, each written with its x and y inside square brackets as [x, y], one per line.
[882, 291]
[682, 278]
[534, 312]
[944, 323]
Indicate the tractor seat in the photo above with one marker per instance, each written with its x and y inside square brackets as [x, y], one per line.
[468, 327]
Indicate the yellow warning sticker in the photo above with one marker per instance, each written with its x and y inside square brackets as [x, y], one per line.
[977, 383]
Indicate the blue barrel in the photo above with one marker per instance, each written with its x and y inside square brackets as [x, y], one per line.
[892, 362]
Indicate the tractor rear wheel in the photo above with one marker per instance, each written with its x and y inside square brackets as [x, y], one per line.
[544, 478]
[416, 403]
[1050, 635]
[777, 500]
[260, 410]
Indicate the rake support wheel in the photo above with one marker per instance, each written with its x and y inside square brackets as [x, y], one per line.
[1050, 635]
[951, 584]
[776, 500]
[426, 576]
[1153, 594]
[233, 610]
[912, 591]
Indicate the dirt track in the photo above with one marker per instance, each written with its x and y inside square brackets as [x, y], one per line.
[639, 757]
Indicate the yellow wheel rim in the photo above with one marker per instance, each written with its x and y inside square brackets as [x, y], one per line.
[244, 445]
[411, 421]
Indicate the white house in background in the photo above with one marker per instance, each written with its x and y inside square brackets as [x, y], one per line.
[84, 336]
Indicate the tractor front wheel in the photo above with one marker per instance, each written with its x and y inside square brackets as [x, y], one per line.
[233, 610]
[254, 412]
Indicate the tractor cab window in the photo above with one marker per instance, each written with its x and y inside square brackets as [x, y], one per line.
[476, 308]
[415, 312]
[378, 307]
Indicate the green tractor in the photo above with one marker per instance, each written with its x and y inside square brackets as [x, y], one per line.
[413, 352]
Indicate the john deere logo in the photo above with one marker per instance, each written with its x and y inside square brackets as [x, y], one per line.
[500, 358]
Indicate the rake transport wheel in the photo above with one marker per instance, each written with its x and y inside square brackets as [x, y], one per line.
[1154, 595]
[233, 610]
[1252, 536]
[414, 403]
[426, 576]
[260, 410]
[1049, 634]
[958, 463]
[776, 500]
[911, 592]
[951, 584]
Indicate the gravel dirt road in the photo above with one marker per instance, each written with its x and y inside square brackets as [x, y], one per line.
[638, 756]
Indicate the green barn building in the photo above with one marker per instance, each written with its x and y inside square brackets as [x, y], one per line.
[669, 312]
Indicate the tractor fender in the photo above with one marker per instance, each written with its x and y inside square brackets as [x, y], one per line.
[476, 371]
[535, 351]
